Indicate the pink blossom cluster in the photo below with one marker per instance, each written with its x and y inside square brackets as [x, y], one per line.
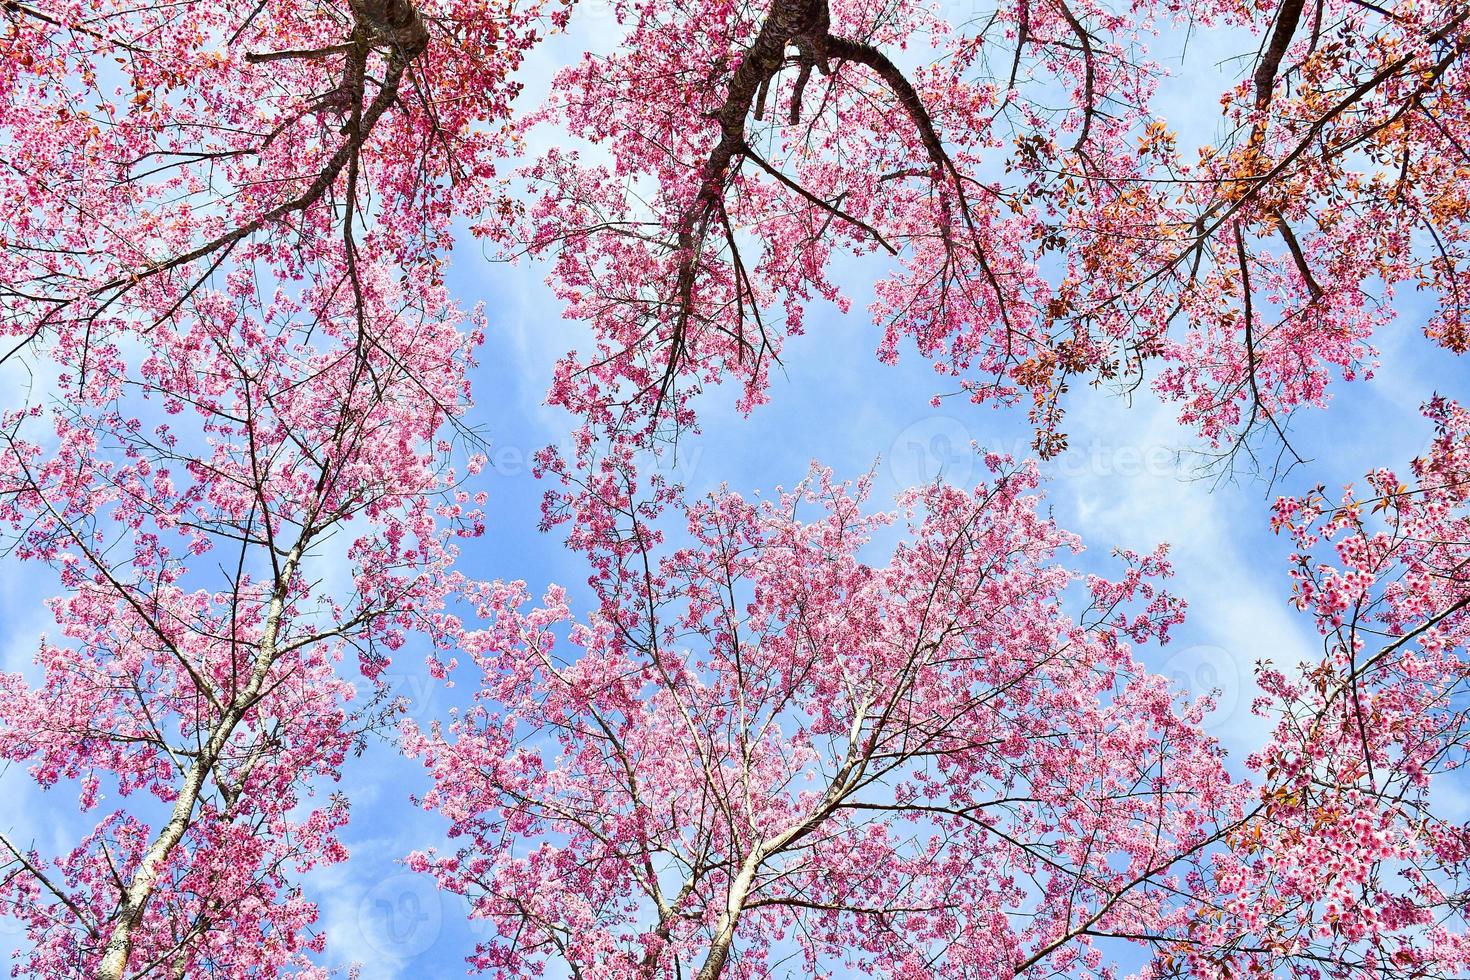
[762, 750]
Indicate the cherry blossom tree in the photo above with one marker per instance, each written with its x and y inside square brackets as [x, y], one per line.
[190, 508]
[763, 754]
[1038, 222]
[223, 230]
[1355, 868]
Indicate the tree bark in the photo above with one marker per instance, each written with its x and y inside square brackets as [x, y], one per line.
[135, 897]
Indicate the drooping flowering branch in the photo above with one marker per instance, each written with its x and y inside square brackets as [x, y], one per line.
[1044, 223]
[152, 148]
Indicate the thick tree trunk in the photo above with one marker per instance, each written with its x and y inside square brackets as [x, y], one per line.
[135, 897]
[724, 938]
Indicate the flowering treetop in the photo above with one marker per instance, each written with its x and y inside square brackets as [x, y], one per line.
[763, 751]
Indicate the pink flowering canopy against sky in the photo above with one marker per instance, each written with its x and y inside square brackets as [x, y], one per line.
[706, 490]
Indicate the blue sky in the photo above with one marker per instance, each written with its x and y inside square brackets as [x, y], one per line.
[1118, 486]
